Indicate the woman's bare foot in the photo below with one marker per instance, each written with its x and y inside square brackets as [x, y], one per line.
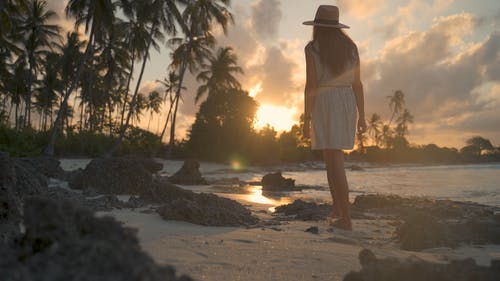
[335, 214]
[343, 223]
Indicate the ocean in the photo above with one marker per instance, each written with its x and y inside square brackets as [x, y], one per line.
[478, 183]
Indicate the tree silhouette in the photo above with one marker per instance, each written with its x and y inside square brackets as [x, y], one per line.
[396, 103]
[218, 74]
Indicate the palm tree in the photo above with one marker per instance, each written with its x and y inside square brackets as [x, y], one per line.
[200, 16]
[171, 83]
[360, 141]
[71, 53]
[139, 105]
[115, 61]
[98, 17]
[153, 104]
[16, 87]
[396, 103]
[198, 19]
[159, 14]
[374, 126]
[38, 41]
[47, 94]
[218, 74]
[403, 120]
[137, 38]
[386, 135]
[10, 19]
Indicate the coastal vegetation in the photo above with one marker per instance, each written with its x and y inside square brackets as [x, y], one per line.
[79, 93]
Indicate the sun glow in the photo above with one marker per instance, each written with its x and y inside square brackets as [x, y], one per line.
[255, 90]
[278, 117]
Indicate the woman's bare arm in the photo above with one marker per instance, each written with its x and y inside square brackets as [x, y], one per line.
[310, 89]
[357, 86]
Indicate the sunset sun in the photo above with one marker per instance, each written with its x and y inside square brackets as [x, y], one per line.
[278, 117]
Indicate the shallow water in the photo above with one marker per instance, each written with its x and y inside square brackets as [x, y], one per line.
[477, 183]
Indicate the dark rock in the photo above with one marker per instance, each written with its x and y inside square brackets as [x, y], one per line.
[64, 242]
[96, 204]
[421, 231]
[207, 209]
[161, 192]
[47, 166]
[431, 223]
[116, 175]
[148, 163]
[72, 176]
[135, 202]
[10, 203]
[313, 230]
[29, 182]
[189, 174]
[307, 211]
[198, 208]
[415, 269]
[276, 182]
[355, 168]
[403, 206]
[367, 257]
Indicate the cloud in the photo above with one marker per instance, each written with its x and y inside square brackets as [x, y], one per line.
[266, 16]
[58, 6]
[414, 11]
[277, 84]
[441, 76]
[360, 9]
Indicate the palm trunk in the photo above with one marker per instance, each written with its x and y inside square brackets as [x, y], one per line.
[49, 150]
[17, 117]
[177, 97]
[128, 88]
[134, 97]
[166, 121]
[27, 119]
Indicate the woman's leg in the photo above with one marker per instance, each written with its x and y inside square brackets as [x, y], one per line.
[328, 158]
[336, 157]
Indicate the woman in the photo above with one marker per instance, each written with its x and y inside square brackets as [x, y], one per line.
[333, 97]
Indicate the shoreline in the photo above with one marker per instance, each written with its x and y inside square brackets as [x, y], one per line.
[279, 252]
[249, 237]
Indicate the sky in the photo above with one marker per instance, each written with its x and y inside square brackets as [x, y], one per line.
[443, 54]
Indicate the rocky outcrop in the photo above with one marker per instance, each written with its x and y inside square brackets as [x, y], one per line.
[306, 211]
[188, 174]
[207, 209]
[47, 166]
[64, 242]
[276, 182]
[10, 203]
[198, 208]
[116, 175]
[427, 223]
[415, 269]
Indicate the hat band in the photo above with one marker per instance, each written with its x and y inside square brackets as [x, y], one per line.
[324, 21]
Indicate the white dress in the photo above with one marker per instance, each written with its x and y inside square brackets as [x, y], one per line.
[334, 115]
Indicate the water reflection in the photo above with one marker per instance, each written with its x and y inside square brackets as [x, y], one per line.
[253, 195]
[256, 195]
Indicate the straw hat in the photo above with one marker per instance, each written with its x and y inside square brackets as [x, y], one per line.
[327, 16]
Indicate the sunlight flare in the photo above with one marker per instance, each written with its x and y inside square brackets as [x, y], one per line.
[256, 89]
[281, 118]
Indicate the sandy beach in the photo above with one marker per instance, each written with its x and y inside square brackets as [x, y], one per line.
[283, 252]
[131, 221]
[277, 250]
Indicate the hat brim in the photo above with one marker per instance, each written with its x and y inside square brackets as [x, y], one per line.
[339, 25]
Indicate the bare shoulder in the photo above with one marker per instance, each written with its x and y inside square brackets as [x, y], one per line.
[309, 47]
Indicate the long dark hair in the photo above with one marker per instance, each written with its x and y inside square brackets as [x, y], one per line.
[336, 49]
